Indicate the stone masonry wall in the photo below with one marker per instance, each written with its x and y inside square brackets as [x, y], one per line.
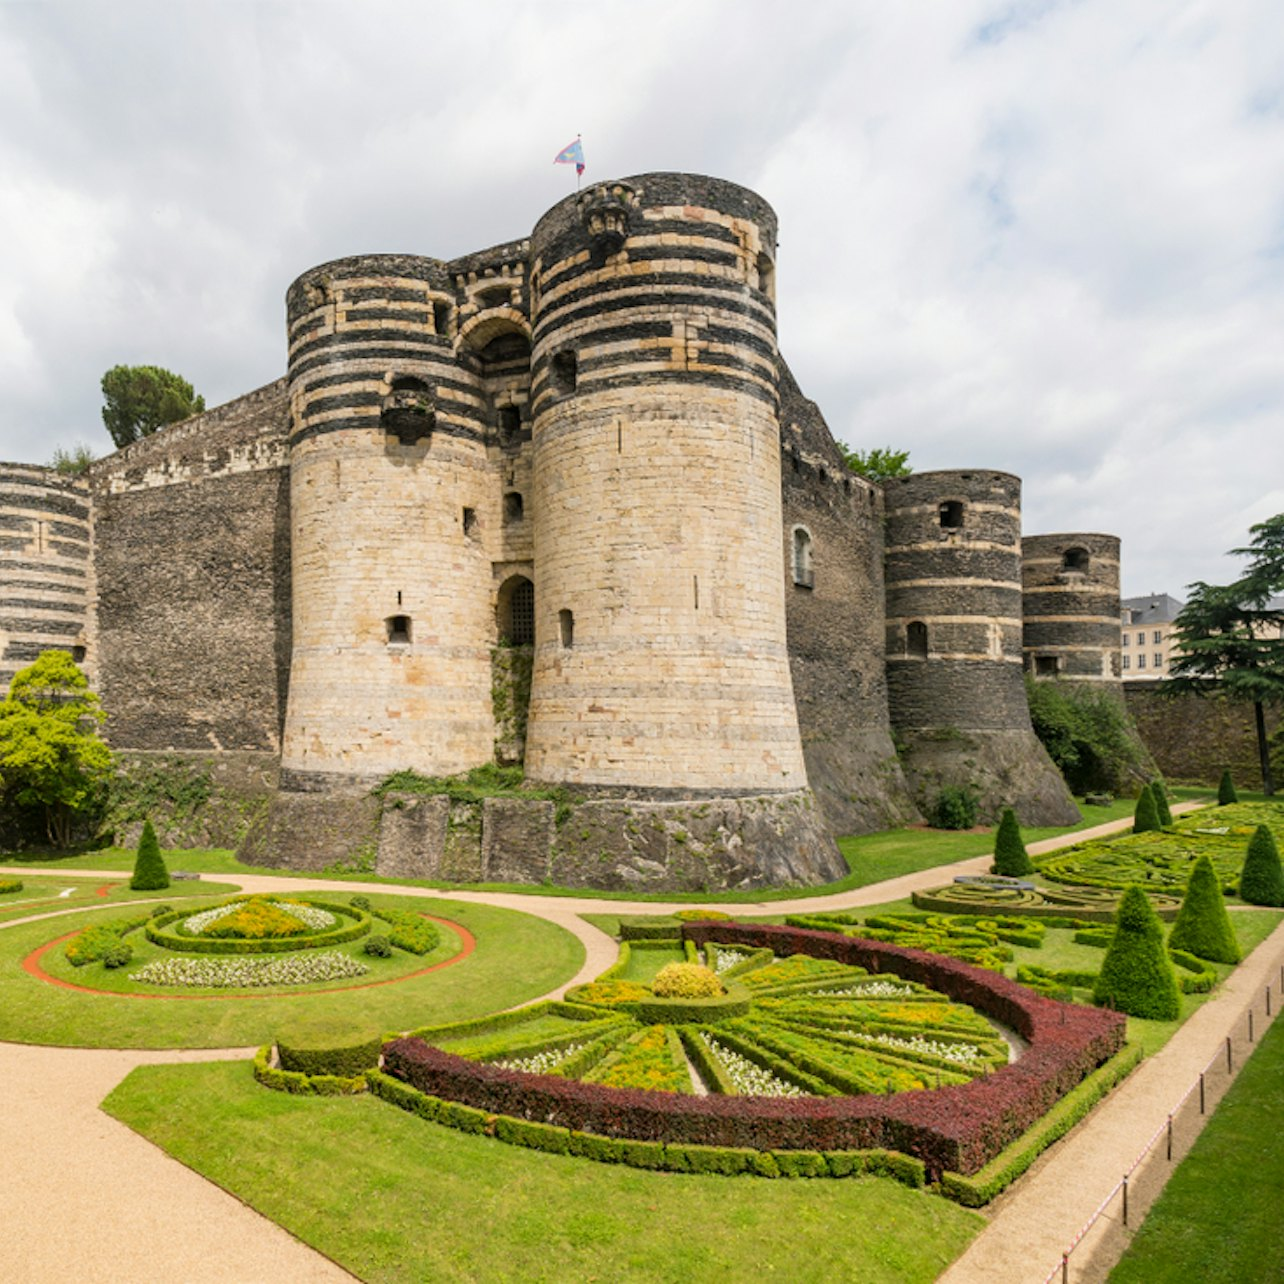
[1070, 607]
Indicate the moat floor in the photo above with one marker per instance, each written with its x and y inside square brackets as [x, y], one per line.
[85, 1197]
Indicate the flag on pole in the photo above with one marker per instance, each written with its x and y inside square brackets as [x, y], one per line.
[571, 154]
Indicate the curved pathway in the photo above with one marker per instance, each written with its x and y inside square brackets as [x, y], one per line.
[85, 1196]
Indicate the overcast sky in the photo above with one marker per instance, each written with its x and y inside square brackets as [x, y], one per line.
[1040, 237]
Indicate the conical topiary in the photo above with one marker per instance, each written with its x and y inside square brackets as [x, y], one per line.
[1164, 811]
[1137, 975]
[150, 874]
[1146, 817]
[1203, 926]
[1262, 880]
[1226, 790]
[1010, 856]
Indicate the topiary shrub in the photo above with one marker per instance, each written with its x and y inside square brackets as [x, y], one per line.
[1262, 880]
[332, 1046]
[379, 947]
[686, 981]
[162, 909]
[150, 874]
[10, 885]
[1010, 857]
[360, 902]
[1226, 790]
[702, 916]
[955, 808]
[117, 954]
[1164, 811]
[1146, 817]
[1137, 975]
[1203, 927]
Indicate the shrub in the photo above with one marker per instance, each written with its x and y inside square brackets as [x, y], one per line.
[1203, 927]
[378, 947]
[1146, 817]
[118, 954]
[8, 885]
[150, 874]
[1262, 879]
[360, 902]
[701, 916]
[686, 981]
[1164, 811]
[330, 1047]
[162, 909]
[320, 1085]
[95, 943]
[1226, 790]
[1137, 975]
[409, 931]
[955, 808]
[1010, 857]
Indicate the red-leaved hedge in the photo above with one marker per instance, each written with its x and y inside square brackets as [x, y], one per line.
[957, 1128]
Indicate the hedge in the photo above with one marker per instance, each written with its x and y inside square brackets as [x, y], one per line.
[1262, 879]
[329, 1047]
[303, 1085]
[505, 1020]
[650, 928]
[338, 935]
[8, 885]
[958, 1128]
[1010, 857]
[1203, 926]
[1136, 975]
[150, 874]
[726, 1161]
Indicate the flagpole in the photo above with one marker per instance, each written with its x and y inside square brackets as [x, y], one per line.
[579, 175]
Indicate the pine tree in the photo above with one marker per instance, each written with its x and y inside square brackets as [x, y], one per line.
[1164, 811]
[1010, 857]
[1137, 975]
[150, 874]
[1147, 814]
[1203, 926]
[1226, 790]
[1262, 879]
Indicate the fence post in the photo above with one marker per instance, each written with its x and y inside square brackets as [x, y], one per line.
[1065, 1268]
[1268, 1000]
[1250, 1025]
[1229, 1067]
[1125, 1199]
[1170, 1139]
[1201, 1093]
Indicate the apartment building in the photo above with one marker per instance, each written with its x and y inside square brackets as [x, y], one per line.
[1146, 625]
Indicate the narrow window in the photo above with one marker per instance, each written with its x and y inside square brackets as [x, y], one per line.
[1159, 637]
[1046, 666]
[847, 485]
[1125, 639]
[951, 515]
[509, 422]
[470, 522]
[513, 506]
[794, 460]
[1159, 659]
[804, 576]
[766, 275]
[1141, 661]
[398, 597]
[441, 318]
[566, 623]
[517, 611]
[398, 630]
[564, 371]
[78, 654]
[1075, 559]
[824, 473]
[1127, 662]
[916, 639]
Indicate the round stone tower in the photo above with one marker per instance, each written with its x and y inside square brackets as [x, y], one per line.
[955, 690]
[660, 660]
[392, 610]
[1070, 606]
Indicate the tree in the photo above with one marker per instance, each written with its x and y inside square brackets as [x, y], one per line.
[878, 464]
[1162, 809]
[1229, 640]
[1226, 790]
[1261, 881]
[150, 874]
[50, 753]
[1010, 856]
[1136, 975]
[140, 399]
[1203, 927]
[73, 462]
[1146, 817]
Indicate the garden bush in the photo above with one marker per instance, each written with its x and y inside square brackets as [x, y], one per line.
[1226, 790]
[1262, 880]
[1203, 927]
[409, 931]
[701, 916]
[1010, 857]
[8, 885]
[360, 902]
[150, 874]
[955, 808]
[1162, 809]
[329, 1046]
[378, 947]
[93, 944]
[167, 931]
[304, 1085]
[686, 981]
[1146, 818]
[1137, 975]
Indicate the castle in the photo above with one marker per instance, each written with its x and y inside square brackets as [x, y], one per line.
[560, 503]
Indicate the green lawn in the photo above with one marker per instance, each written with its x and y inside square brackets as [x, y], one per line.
[518, 958]
[1218, 1218]
[43, 894]
[393, 1198]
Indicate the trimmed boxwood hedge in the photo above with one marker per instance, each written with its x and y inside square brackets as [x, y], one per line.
[959, 1127]
[329, 1046]
[303, 1085]
[8, 885]
[158, 934]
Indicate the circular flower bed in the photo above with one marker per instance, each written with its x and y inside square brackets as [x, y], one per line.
[260, 925]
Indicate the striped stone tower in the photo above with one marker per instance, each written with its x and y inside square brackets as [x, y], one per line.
[955, 690]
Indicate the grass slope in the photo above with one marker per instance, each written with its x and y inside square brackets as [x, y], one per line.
[434, 1204]
[1218, 1217]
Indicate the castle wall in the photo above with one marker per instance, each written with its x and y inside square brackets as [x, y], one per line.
[191, 619]
[1070, 607]
[46, 572]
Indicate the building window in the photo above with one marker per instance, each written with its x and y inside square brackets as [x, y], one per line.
[78, 654]
[1159, 660]
[517, 611]
[470, 522]
[1125, 639]
[804, 576]
[508, 421]
[1141, 661]
[1075, 559]
[566, 625]
[916, 639]
[1046, 666]
[951, 515]
[398, 630]
[1158, 637]
[1127, 662]
[564, 372]
[513, 506]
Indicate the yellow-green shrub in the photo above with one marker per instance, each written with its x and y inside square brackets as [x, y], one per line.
[686, 981]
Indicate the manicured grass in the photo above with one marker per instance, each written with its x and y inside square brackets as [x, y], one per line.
[190, 860]
[1218, 1218]
[517, 959]
[393, 1198]
[44, 894]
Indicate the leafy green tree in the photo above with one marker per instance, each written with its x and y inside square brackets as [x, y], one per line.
[1088, 734]
[150, 874]
[139, 399]
[73, 462]
[1229, 640]
[1203, 926]
[50, 753]
[1162, 809]
[1136, 975]
[1261, 881]
[1010, 856]
[1226, 790]
[1146, 817]
[878, 463]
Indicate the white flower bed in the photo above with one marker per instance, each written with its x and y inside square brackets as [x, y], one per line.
[222, 973]
[199, 922]
[541, 1062]
[869, 990]
[750, 1079]
[725, 960]
[317, 919]
[959, 1053]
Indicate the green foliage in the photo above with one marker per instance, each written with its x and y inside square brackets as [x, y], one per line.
[1160, 795]
[360, 902]
[1203, 927]
[137, 400]
[1262, 880]
[1088, 735]
[303, 1085]
[686, 981]
[878, 463]
[1010, 857]
[955, 808]
[487, 781]
[330, 1046]
[8, 885]
[409, 931]
[1146, 818]
[378, 946]
[150, 874]
[979, 940]
[94, 944]
[73, 462]
[1137, 975]
[1226, 790]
